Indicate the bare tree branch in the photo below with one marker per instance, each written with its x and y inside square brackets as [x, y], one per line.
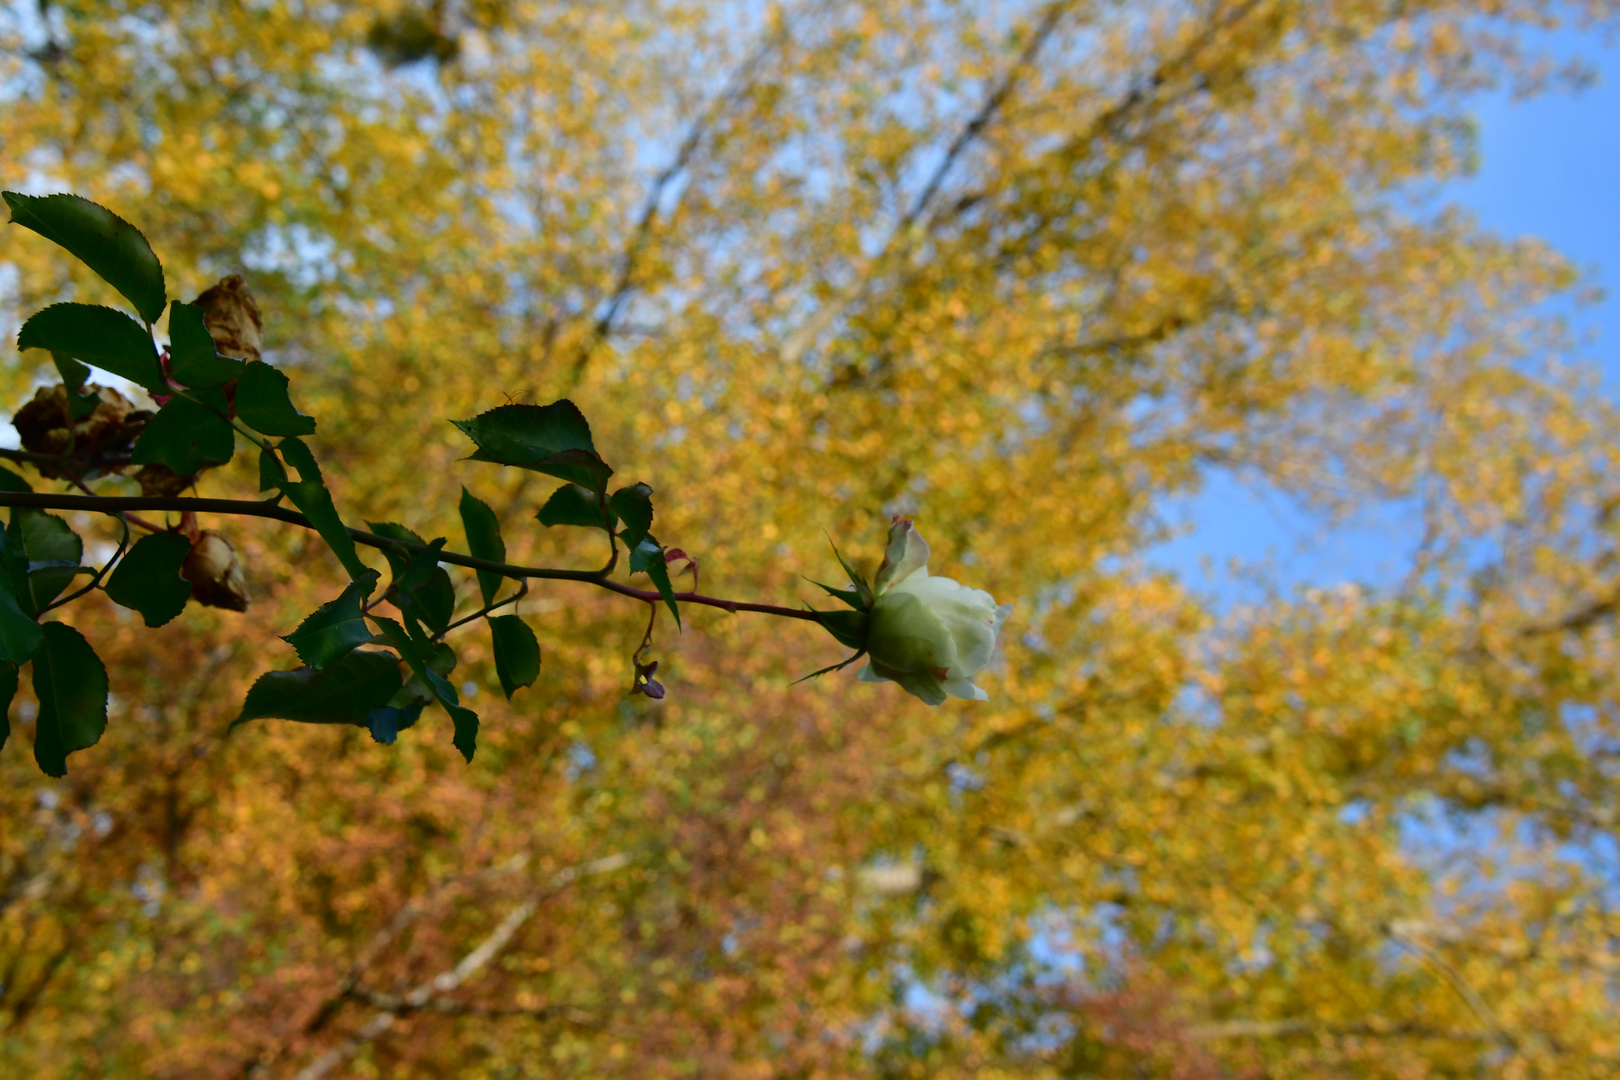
[903, 237]
[739, 82]
[399, 1006]
[434, 989]
[1458, 981]
[1372, 1026]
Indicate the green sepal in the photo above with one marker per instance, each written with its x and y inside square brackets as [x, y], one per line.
[414, 648]
[99, 238]
[851, 628]
[8, 691]
[186, 435]
[848, 596]
[102, 336]
[831, 668]
[554, 439]
[51, 551]
[262, 402]
[70, 682]
[647, 557]
[856, 579]
[194, 360]
[572, 504]
[517, 653]
[337, 627]
[345, 692]
[147, 579]
[484, 541]
[633, 504]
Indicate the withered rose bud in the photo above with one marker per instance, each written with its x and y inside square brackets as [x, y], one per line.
[233, 318]
[107, 432]
[215, 575]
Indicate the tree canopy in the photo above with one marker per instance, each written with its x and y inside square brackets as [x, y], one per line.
[1018, 271]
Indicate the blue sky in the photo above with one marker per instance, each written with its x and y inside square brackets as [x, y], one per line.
[1547, 168]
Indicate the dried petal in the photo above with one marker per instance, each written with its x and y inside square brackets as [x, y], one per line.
[215, 574]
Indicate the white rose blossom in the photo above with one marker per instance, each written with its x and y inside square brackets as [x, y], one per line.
[930, 634]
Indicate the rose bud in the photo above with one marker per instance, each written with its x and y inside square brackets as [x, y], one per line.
[929, 634]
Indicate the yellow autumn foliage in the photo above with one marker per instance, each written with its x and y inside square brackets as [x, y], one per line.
[1020, 270]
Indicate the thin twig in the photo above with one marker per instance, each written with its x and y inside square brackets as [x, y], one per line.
[523, 590]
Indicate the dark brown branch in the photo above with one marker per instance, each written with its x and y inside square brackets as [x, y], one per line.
[112, 504]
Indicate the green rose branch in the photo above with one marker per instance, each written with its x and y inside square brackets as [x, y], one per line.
[210, 389]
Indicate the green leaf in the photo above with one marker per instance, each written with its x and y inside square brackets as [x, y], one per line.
[424, 591]
[272, 474]
[14, 565]
[575, 505]
[337, 627]
[399, 559]
[297, 454]
[51, 549]
[386, 721]
[647, 557]
[102, 336]
[848, 596]
[100, 239]
[315, 502]
[193, 359]
[633, 504]
[10, 481]
[263, 405]
[148, 579]
[186, 435]
[8, 690]
[80, 405]
[71, 684]
[517, 653]
[484, 541]
[344, 693]
[433, 600]
[73, 373]
[413, 648]
[466, 735]
[19, 634]
[552, 439]
[849, 627]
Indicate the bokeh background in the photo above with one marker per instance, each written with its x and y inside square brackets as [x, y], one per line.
[1305, 278]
